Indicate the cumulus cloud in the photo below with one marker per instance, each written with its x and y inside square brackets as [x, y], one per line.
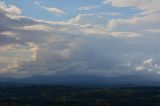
[14, 46]
[149, 65]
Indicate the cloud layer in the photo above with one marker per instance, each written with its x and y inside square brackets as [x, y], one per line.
[87, 44]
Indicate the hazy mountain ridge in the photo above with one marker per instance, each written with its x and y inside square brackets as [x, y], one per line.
[84, 80]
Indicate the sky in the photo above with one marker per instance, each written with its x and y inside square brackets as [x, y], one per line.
[105, 38]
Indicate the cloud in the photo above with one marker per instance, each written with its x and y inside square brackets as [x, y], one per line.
[154, 31]
[110, 13]
[90, 19]
[144, 22]
[91, 7]
[84, 45]
[15, 42]
[53, 10]
[125, 34]
[149, 65]
[37, 27]
[146, 6]
[9, 9]
[135, 25]
[37, 3]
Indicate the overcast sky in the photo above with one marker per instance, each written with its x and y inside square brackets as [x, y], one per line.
[108, 38]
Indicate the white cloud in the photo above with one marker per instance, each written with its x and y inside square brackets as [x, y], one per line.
[145, 22]
[91, 7]
[53, 10]
[37, 3]
[90, 19]
[8, 33]
[148, 62]
[149, 65]
[144, 5]
[125, 34]
[110, 13]
[9, 9]
[38, 27]
[140, 68]
[33, 49]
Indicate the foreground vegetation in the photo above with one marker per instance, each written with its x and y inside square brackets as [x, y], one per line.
[77, 96]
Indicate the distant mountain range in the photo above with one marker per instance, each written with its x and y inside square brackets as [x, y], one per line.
[84, 80]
